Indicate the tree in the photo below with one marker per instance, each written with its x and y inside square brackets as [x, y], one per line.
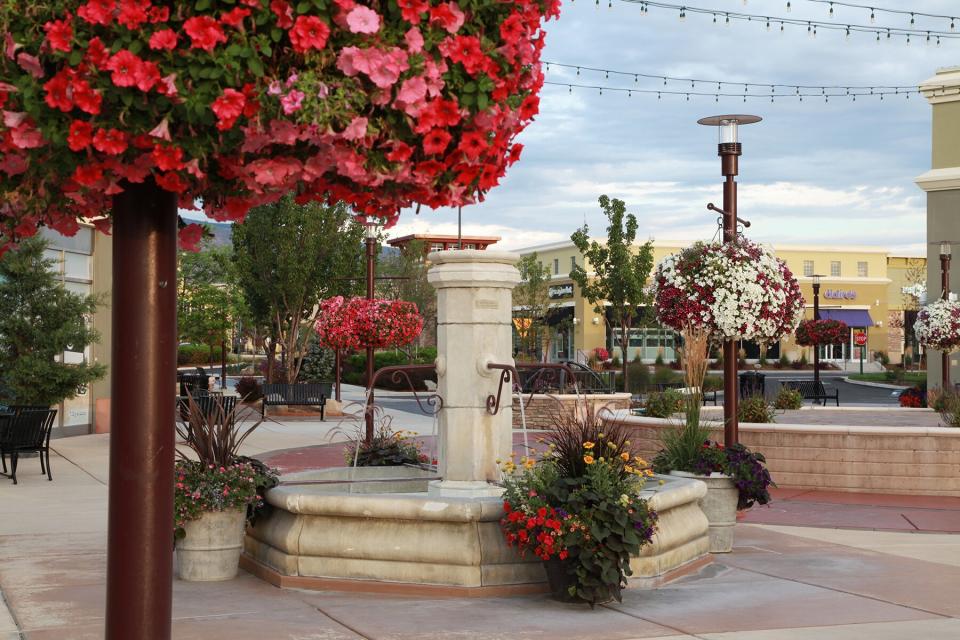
[532, 299]
[209, 302]
[408, 273]
[288, 256]
[39, 321]
[620, 275]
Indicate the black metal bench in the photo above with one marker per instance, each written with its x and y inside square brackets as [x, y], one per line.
[26, 431]
[710, 396]
[816, 391]
[310, 394]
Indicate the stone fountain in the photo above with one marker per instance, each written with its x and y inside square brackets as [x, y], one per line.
[415, 534]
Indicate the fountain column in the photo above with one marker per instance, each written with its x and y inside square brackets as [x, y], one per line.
[474, 328]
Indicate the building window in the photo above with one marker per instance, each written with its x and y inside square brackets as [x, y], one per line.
[808, 268]
[835, 268]
[436, 246]
[573, 262]
[556, 266]
[470, 246]
[862, 269]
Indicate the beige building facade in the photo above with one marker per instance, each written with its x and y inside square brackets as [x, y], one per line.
[860, 285]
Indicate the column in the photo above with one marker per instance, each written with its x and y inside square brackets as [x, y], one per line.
[474, 300]
[942, 185]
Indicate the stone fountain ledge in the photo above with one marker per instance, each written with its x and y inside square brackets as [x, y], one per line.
[402, 540]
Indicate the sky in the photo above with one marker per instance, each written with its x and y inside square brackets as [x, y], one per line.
[836, 173]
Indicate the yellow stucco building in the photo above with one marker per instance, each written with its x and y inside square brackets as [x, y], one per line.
[860, 285]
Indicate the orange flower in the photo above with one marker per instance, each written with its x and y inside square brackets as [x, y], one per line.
[588, 459]
[588, 445]
[625, 456]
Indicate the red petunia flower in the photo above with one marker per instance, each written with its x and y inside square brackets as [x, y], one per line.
[171, 181]
[159, 14]
[98, 11]
[133, 13]
[467, 51]
[412, 10]
[110, 141]
[436, 141]
[80, 135]
[309, 32]
[147, 75]
[97, 53]
[400, 152]
[234, 17]
[59, 33]
[472, 144]
[86, 97]
[88, 175]
[228, 107]
[512, 29]
[530, 107]
[56, 88]
[163, 39]
[448, 15]
[284, 12]
[168, 158]
[124, 66]
[205, 32]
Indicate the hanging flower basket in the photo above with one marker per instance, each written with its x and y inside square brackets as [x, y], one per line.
[233, 104]
[938, 325]
[815, 332]
[355, 323]
[738, 291]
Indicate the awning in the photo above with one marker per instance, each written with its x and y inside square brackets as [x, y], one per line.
[852, 317]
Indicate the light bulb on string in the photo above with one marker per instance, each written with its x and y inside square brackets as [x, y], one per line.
[727, 21]
[831, 11]
[928, 37]
[878, 37]
[781, 27]
[578, 70]
[688, 97]
[888, 33]
[716, 98]
[848, 33]
[658, 95]
[912, 20]
[664, 82]
[873, 17]
[636, 79]
[601, 90]
[693, 84]
[768, 24]
[788, 6]
[714, 18]
[609, 4]
[908, 38]
[938, 41]
[683, 13]
[952, 27]
[606, 75]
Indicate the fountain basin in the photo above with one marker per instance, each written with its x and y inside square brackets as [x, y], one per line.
[392, 537]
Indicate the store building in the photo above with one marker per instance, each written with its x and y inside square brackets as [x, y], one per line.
[83, 264]
[861, 286]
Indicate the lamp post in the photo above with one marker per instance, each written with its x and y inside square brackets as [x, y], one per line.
[945, 295]
[371, 266]
[729, 150]
[816, 316]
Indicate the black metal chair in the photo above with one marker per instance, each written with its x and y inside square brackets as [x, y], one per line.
[27, 432]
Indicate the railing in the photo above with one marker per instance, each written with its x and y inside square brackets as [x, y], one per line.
[429, 403]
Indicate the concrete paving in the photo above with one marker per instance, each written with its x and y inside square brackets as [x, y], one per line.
[781, 582]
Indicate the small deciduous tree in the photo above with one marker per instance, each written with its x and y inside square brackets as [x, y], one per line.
[531, 298]
[39, 321]
[619, 273]
[288, 257]
[407, 271]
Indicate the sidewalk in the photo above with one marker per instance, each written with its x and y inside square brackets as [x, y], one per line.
[780, 583]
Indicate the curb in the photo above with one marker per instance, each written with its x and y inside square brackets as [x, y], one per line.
[878, 385]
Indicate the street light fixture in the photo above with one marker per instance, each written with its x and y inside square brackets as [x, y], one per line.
[372, 228]
[729, 150]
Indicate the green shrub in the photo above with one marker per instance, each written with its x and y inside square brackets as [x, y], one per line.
[788, 398]
[890, 376]
[659, 361]
[662, 375]
[616, 363]
[754, 409]
[193, 354]
[355, 369]
[663, 404]
[638, 377]
[784, 361]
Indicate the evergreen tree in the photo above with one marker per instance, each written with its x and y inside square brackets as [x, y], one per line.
[39, 321]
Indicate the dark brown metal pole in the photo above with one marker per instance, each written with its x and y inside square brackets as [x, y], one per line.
[816, 347]
[945, 295]
[336, 379]
[223, 364]
[140, 521]
[371, 247]
[729, 153]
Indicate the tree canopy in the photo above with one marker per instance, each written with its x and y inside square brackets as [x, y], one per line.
[288, 257]
[531, 298]
[619, 273]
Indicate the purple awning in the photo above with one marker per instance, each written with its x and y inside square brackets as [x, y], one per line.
[852, 317]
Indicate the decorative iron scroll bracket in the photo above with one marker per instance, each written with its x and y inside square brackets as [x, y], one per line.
[508, 374]
[429, 404]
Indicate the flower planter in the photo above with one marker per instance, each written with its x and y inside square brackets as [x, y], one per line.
[720, 507]
[210, 550]
[560, 581]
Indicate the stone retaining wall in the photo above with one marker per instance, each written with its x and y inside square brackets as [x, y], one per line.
[540, 410]
[900, 460]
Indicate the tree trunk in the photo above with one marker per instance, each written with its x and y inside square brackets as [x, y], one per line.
[624, 344]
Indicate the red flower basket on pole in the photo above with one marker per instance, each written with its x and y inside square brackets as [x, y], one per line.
[119, 111]
[358, 322]
[811, 333]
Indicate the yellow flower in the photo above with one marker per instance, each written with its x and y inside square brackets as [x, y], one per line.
[529, 464]
[612, 445]
[588, 459]
[663, 482]
[626, 443]
[625, 456]
[588, 445]
[628, 468]
[600, 436]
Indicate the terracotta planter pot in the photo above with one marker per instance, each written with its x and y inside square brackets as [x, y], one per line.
[720, 507]
[211, 549]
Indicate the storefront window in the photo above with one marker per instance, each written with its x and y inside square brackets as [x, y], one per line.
[862, 269]
[835, 268]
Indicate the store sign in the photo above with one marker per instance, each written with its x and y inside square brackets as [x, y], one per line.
[837, 294]
[560, 291]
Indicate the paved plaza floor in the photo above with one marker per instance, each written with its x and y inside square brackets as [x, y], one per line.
[782, 581]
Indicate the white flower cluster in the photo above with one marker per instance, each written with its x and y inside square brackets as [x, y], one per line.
[740, 292]
[918, 290]
[938, 325]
